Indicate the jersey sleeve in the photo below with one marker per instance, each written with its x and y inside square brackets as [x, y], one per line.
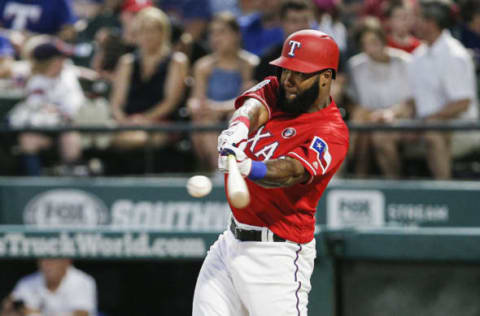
[319, 155]
[265, 92]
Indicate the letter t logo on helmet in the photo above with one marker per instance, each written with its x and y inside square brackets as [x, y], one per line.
[318, 52]
[293, 46]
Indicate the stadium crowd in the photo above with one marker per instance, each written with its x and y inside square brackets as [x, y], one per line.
[143, 62]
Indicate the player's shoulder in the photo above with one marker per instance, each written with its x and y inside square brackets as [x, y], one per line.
[333, 126]
[270, 82]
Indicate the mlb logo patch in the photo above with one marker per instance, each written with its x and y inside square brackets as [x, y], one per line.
[323, 155]
[288, 132]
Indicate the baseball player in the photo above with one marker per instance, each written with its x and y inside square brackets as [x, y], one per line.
[289, 139]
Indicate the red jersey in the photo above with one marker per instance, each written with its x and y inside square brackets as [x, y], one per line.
[412, 44]
[318, 140]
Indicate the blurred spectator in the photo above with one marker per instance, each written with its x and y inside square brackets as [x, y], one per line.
[184, 42]
[87, 9]
[295, 15]
[469, 30]
[109, 49]
[26, 17]
[231, 6]
[58, 288]
[248, 7]
[399, 21]
[107, 16]
[53, 97]
[13, 73]
[94, 16]
[194, 14]
[329, 22]
[129, 10]
[219, 79]
[379, 82]
[442, 77]
[150, 83]
[375, 8]
[261, 30]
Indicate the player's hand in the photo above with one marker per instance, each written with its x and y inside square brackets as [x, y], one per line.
[233, 135]
[243, 162]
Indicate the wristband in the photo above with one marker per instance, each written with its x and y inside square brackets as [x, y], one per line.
[258, 170]
[242, 119]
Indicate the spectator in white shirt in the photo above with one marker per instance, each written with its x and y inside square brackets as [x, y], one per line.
[379, 86]
[442, 77]
[57, 289]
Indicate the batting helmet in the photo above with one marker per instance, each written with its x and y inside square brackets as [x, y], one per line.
[308, 51]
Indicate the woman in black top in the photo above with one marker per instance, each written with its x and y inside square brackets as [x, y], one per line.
[150, 83]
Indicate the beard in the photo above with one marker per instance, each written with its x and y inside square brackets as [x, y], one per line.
[301, 103]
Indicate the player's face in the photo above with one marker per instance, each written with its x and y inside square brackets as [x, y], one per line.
[298, 91]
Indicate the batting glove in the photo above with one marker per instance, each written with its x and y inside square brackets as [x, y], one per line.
[234, 134]
[243, 162]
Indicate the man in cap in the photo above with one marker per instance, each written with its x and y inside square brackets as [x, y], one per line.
[289, 139]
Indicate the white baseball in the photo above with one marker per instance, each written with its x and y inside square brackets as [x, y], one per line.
[199, 186]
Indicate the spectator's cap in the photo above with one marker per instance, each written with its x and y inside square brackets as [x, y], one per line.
[50, 49]
[134, 6]
[6, 48]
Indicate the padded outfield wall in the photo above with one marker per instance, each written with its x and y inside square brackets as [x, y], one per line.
[384, 247]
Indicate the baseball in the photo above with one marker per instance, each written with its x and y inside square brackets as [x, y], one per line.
[199, 186]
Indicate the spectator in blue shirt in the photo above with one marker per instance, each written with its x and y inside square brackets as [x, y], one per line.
[262, 30]
[194, 14]
[41, 16]
[21, 19]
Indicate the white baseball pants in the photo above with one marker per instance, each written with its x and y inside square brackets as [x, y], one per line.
[243, 278]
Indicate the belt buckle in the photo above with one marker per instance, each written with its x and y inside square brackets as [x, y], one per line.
[235, 228]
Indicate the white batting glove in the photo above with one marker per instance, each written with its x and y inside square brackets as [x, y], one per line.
[243, 162]
[233, 135]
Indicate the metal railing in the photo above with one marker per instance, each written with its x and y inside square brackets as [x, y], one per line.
[186, 127]
[413, 125]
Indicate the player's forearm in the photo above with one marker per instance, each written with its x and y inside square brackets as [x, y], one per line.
[283, 173]
[254, 111]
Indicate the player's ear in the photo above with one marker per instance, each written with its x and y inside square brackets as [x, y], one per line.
[326, 77]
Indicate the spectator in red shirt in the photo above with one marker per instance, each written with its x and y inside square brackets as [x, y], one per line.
[399, 24]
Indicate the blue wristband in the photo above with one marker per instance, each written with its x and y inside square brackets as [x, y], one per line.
[258, 171]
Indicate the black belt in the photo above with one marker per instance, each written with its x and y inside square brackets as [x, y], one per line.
[250, 235]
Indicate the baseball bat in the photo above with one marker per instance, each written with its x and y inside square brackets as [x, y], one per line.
[237, 187]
